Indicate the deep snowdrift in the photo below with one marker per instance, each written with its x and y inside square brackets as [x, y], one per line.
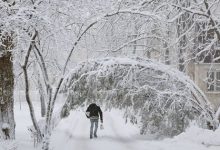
[161, 99]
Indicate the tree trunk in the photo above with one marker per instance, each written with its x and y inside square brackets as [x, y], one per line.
[42, 100]
[41, 93]
[27, 94]
[7, 123]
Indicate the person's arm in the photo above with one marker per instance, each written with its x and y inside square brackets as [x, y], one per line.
[88, 112]
[100, 114]
[88, 109]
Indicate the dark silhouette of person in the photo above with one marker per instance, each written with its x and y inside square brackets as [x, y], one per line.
[93, 112]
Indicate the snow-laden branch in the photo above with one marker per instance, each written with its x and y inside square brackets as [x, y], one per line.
[44, 68]
[128, 11]
[190, 10]
[138, 39]
[24, 67]
[212, 21]
[163, 98]
[32, 42]
[207, 48]
[136, 12]
[75, 44]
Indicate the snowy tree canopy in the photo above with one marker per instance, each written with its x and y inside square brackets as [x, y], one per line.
[163, 100]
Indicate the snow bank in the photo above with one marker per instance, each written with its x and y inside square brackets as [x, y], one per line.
[200, 136]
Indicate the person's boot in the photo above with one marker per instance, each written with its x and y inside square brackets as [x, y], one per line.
[90, 136]
[95, 136]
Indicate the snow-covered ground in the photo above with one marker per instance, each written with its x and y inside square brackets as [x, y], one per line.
[73, 133]
[23, 121]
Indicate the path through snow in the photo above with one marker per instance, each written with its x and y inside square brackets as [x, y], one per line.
[73, 133]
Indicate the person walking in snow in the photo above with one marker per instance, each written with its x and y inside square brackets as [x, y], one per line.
[93, 112]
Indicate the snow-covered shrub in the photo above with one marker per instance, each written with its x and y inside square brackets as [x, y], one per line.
[163, 98]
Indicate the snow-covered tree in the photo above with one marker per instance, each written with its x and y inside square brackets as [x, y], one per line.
[7, 122]
[163, 100]
[178, 32]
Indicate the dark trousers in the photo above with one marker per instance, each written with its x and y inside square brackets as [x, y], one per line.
[94, 122]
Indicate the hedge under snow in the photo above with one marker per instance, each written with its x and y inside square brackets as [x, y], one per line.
[160, 99]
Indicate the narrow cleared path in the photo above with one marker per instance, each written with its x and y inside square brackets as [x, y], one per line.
[74, 131]
[73, 134]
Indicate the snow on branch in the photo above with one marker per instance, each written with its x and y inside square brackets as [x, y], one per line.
[164, 99]
[138, 39]
[136, 12]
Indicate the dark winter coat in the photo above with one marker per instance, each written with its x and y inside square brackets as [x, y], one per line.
[94, 112]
